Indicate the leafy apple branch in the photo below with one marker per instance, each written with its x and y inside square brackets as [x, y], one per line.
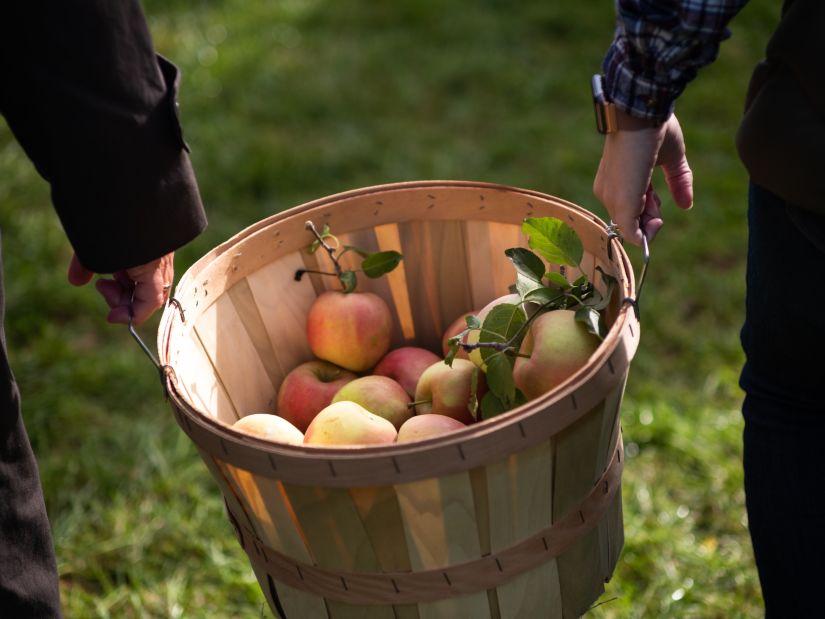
[373, 264]
[503, 330]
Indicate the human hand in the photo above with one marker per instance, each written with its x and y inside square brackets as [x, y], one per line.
[138, 291]
[623, 180]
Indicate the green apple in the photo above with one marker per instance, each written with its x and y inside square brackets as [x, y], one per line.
[380, 395]
[557, 346]
[347, 424]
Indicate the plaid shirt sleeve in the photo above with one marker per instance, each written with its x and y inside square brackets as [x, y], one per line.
[658, 47]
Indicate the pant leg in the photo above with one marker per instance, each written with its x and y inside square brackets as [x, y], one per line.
[784, 409]
[28, 571]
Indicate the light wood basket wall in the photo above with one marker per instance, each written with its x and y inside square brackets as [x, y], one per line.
[518, 516]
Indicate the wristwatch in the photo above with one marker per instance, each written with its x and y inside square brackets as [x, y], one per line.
[605, 109]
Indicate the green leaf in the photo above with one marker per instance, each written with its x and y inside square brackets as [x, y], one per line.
[544, 295]
[491, 406]
[526, 262]
[557, 242]
[453, 344]
[348, 280]
[558, 279]
[472, 405]
[472, 321]
[499, 375]
[360, 252]
[591, 320]
[380, 263]
[529, 269]
[501, 324]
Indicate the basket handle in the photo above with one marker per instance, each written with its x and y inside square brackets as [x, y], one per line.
[613, 233]
[163, 370]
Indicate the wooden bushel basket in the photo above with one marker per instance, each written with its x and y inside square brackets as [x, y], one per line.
[517, 516]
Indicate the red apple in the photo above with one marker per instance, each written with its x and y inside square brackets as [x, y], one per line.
[380, 395]
[405, 366]
[446, 390]
[431, 425]
[308, 388]
[349, 329]
[558, 345]
[269, 427]
[456, 327]
[347, 424]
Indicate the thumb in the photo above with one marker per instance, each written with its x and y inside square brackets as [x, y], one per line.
[679, 178]
[78, 274]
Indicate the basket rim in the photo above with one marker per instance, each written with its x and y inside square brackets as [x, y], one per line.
[624, 330]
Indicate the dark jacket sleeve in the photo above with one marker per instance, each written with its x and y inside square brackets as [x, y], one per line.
[95, 109]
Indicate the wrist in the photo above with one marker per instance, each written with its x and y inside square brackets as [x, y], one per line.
[610, 117]
[628, 122]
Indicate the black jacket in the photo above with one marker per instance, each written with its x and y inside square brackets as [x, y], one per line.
[781, 139]
[95, 109]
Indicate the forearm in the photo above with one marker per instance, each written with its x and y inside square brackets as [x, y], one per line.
[95, 111]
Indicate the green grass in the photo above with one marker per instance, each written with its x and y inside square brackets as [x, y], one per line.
[287, 101]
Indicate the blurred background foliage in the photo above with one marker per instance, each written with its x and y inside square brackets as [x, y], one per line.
[284, 101]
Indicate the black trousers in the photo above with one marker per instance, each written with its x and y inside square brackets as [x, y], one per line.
[784, 409]
[28, 571]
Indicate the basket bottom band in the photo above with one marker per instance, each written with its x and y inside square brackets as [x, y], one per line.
[430, 585]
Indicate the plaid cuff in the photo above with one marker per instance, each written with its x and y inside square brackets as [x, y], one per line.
[646, 97]
[658, 49]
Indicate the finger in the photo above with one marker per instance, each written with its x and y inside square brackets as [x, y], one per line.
[148, 297]
[651, 220]
[153, 283]
[78, 274]
[679, 179]
[117, 293]
[673, 161]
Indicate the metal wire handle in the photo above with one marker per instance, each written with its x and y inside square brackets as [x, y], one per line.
[163, 370]
[612, 233]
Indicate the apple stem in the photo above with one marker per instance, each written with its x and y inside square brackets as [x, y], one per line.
[300, 273]
[413, 404]
[330, 250]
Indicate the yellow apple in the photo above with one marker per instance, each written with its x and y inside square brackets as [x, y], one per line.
[426, 426]
[380, 395]
[557, 346]
[347, 424]
[269, 427]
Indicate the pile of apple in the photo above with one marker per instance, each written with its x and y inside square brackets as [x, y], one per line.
[358, 391]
